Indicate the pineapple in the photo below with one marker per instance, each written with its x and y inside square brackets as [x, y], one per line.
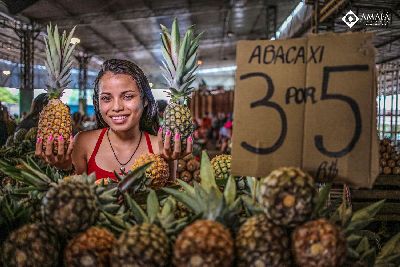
[55, 119]
[187, 168]
[192, 165]
[261, 243]
[179, 66]
[288, 196]
[13, 214]
[222, 166]
[9, 141]
[204, 243]
[360, 252]
[142, 245]
[157, 173]
[147, 243]
[91, 248]
[196, 175]
[30, 245]
[186, 176]
[19, 135]
[31, 134]
[68, 206]
[319, 243]
[207, 241]
[181, 166]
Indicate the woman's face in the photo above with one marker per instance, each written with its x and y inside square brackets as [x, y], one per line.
[120, 103]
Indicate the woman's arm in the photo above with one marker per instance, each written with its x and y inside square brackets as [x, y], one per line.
[79, 153]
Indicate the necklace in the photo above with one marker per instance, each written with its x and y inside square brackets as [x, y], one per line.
[122, 168]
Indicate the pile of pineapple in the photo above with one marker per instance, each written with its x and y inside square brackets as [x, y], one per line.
[280, 221]
[389, 158]
[21, 143]
[188, 169]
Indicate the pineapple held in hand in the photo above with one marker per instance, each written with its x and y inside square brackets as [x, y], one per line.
[55, 119]
[180, 63]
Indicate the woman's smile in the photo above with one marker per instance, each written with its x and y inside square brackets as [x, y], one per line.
[120, 119]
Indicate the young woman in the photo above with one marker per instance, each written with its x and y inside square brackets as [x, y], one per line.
[126, 115]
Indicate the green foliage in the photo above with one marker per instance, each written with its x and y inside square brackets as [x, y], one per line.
[7, 97]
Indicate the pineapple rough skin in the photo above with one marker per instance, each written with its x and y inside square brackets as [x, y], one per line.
[158, 172]
[144, 245]
[261, 243]
[319, 243]
[288, 196]
[70, 207]
[204, 243]
[30, 245]
[91, 248]
[222, 166]
[178, 119]
[55, 120]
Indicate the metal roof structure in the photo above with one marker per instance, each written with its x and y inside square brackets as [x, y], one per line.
[130, 29]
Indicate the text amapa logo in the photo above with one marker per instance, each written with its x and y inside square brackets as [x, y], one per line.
[350, 19]
[370, 19]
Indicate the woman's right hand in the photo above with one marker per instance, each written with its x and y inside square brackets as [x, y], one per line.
[63, 159]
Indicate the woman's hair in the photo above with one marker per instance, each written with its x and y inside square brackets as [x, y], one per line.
[149, 119]
[32, 118]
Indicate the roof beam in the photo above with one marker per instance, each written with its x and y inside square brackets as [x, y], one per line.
[388, 41]
[17, 6]
[134, 36]
[204, 44]
[135, 15]
[96, 32]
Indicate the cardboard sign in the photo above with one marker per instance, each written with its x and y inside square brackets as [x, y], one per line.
[310, 103]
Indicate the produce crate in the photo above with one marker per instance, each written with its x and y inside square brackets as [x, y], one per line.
[386, 187]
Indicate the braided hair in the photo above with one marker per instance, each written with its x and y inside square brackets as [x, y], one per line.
[149, 119]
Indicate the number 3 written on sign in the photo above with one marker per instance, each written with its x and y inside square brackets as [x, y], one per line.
[318, 139]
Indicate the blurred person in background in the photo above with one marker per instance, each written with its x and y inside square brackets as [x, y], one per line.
[76, 123]
[31, 119]
[7, 125]
[225, 134]
[3, 127]
[161, 105]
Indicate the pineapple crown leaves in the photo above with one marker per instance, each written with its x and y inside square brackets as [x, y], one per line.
[322, 198]
[250, 200]
[115, 222]
[58, 60]
[390, 252]
[360, 218]
[12, 214]
[31, 174]
[134, 180]
[360, 250]
[207, 173]
[180, 59]
[161, 215]
[206, 198]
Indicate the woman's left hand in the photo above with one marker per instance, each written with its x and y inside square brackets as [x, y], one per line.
[173, 153]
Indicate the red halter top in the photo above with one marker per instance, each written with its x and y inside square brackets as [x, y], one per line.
[101, 173]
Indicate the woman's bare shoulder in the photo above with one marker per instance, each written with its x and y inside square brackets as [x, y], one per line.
[87, 138]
